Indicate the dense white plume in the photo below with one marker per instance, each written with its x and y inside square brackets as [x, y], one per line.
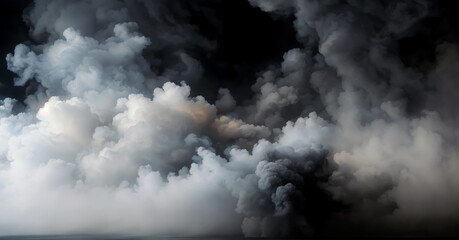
[113, 141]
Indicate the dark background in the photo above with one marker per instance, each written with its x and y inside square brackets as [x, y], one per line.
[248, 41]
[13, 31]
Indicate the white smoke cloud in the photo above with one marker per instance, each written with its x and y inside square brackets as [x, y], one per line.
[97, 153]
[113, 141]
[129, 173]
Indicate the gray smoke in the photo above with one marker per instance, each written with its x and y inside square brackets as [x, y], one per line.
[341, 137]
[394, 166]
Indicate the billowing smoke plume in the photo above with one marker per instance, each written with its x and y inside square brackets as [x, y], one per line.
[341, 137]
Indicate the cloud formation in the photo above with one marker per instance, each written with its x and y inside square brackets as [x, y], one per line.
[340, 137]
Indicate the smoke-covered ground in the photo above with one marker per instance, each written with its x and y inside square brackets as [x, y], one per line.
[266, 118]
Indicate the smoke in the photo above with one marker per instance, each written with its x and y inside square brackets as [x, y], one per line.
[394, 145]
[341, 137]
